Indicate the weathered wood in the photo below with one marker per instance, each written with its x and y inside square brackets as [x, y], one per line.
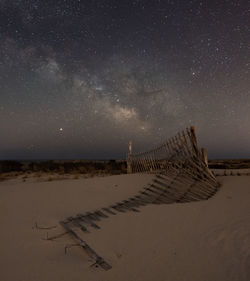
[204, 156]
[193, 139]
[91, 253]
[129, 158]
[87, 220]
[182, 175]
[101, 214]
[109, 211]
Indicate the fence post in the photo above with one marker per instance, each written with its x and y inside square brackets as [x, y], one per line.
[194, 141]
[129, 168]
[204, 156]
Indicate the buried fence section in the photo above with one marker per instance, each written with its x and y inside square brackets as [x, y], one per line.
[181, 175]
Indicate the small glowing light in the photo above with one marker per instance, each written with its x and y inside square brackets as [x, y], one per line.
[193, 73]
[61, 129]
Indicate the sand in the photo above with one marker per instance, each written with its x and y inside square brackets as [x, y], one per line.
[206, 240]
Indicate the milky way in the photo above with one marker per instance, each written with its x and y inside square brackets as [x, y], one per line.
[79, 79]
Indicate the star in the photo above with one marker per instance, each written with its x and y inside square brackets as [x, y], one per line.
[113, 71]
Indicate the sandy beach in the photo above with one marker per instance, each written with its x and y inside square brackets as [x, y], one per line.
[206, 240]
[124, 140]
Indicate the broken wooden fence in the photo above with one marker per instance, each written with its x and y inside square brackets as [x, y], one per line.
[181, 175]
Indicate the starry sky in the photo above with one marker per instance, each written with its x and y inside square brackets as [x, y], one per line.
[80, 78]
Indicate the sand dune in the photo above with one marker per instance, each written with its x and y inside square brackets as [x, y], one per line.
[206, 240]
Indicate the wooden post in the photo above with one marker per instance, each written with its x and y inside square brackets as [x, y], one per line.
[129, 168]
[194, 141]
[204, 156]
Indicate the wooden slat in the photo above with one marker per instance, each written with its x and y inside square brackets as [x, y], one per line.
[91, 253]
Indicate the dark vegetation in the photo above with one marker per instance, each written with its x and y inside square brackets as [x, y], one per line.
[229, 164]
[97, 166]
[113, 167]
[86, 168]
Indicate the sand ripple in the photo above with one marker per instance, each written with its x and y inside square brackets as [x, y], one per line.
[231, 244]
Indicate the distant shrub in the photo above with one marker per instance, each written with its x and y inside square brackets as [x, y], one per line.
[10, 166]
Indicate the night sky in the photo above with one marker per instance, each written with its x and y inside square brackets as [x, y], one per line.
[80, 78]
